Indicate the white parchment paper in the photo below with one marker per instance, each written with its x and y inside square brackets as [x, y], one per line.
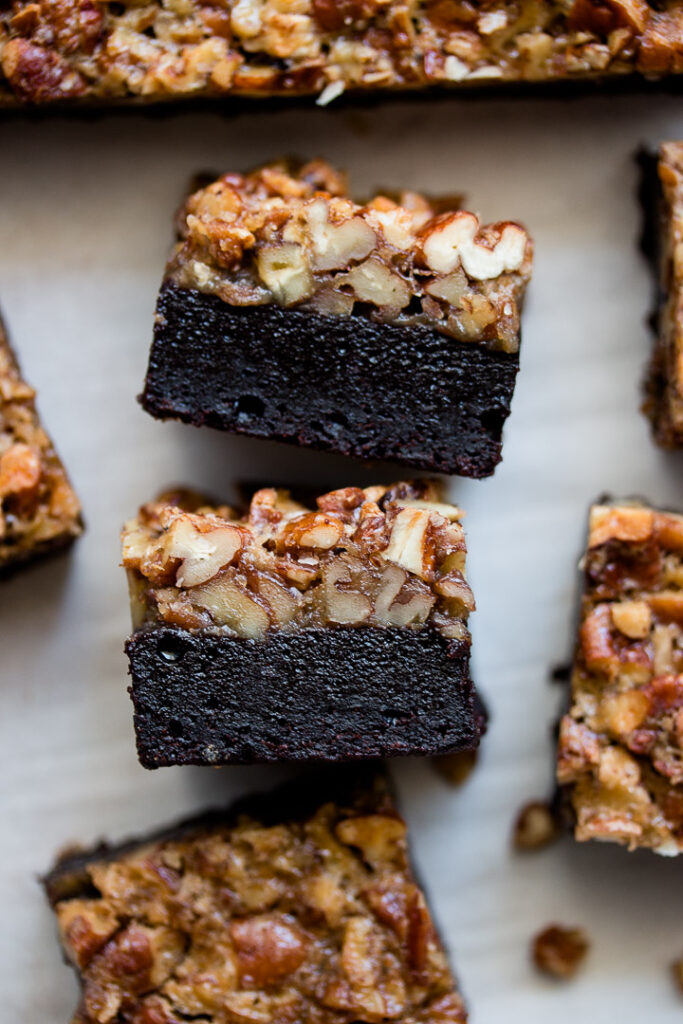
[85, 224]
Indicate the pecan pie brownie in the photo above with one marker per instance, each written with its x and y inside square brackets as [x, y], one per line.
[384, 330]
[267, 914]
[620, 757]
[292, 634]
[66, 51]
[39, 511]
[663, 191]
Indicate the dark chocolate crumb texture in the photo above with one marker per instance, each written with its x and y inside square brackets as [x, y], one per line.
[384, 330]
[620, 757]
[76, 51]
[39, 511]
[267, 914]
[664, 230]
[292, 634]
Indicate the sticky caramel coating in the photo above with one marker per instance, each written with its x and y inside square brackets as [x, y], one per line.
[54, 51]
[382, 557]
[313, 921]
[665, 385]
[620, 757]
[38, 507]
[288, 234]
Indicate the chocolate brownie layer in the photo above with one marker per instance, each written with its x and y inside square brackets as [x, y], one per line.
[344, 384]
[297, 906]
[76, 51]
[329, 695]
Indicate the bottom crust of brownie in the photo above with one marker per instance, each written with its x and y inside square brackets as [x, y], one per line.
[343, 384]
[325, 695]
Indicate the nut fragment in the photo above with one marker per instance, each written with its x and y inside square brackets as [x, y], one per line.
[202, 553]
[284, 269]
[536, 826]
[337, 245]
[451, 242]
[677, 972]
[559, 951]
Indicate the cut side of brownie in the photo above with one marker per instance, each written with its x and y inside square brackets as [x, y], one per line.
[663, 195]
[80, 51]
[39, 511]
[297, 634]
[275, 912]
[620, 756]
[381, 330]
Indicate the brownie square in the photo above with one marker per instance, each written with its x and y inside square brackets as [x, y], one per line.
[388, 330]
[39, 511]
[300, 906]
[620, 754]
[289, 634]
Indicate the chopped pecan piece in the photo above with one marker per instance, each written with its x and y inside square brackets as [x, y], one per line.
[560, 951]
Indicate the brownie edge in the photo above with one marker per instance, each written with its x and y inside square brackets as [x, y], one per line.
[306, 696]
[343, 384]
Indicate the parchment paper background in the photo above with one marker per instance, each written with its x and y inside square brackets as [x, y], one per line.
[85, 223]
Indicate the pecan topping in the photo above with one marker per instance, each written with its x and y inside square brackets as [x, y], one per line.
[620, 753]
[288, 234]
[230, 919]
[38, 507]
[384, 557]
[325, 47]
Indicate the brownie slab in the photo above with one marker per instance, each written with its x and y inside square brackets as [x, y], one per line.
[40, 514]
[323, 695]
[388, 329]
[276, 911]
[80, 51]
[620, 755]
[662, 193]
[290, 635]
[347, 385]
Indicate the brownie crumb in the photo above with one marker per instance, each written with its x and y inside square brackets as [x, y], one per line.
[558, 951]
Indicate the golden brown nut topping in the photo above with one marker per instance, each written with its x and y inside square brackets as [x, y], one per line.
[383, 557]
[560, 951]
[665, 385]
[314, 920]
[39, 511]
[620, 756]
[60, 50]
[290, 235]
